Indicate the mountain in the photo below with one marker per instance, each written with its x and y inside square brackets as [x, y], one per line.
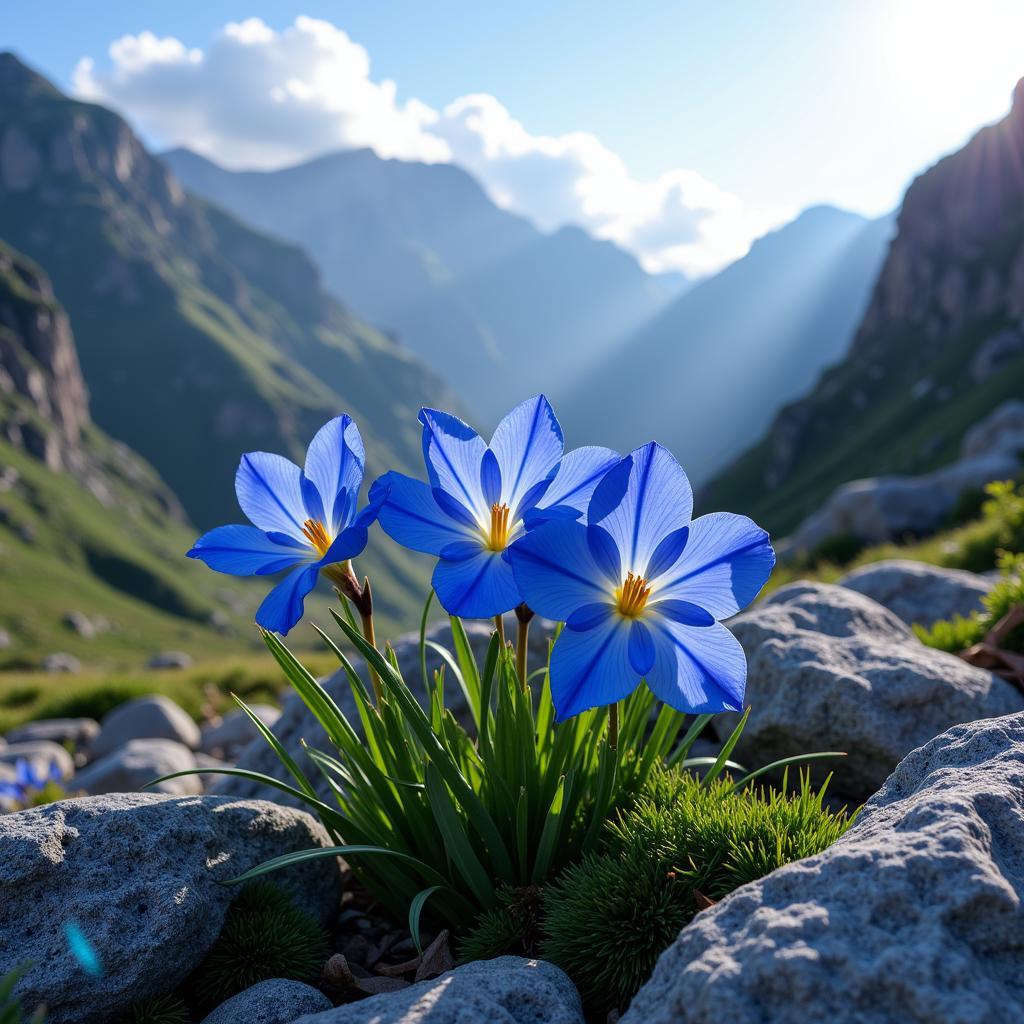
[941, 343]
[498, 308]
[706, 376]
[199, 337]
[90, 537]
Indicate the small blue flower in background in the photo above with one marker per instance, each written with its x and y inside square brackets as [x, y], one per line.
[304, 520]
[482, 499]
[28, 782]
[642, 590]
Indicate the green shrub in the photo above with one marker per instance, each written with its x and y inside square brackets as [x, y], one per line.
[606, 919]
[264, 936]
[959, 633]
[158, 1010]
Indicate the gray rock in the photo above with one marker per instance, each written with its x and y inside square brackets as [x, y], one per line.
[141, 875]
[171, 660]
[61, 661]
[1000, 431]
[228, 737]
[276, 1001]
[5, 640]
[136, 764]
[153, 717]
[995, 353]
[81, 624]
[40, 754]
[913, 916]
[829, 669]
[508, 990]
[297, 724]
[885, 508]
[918, 592]
[79, 731]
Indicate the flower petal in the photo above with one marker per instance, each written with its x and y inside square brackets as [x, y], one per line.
[453, 452]
[371, 510]
[667, 553]
[246, 551]
[656, 501]
[334, 461]
[591, 669]
[269, 491]
[478, 587]
[685, 612]
[346, 545]
[490, 478]
[579, 472]
[697, 669]
[461, 550]
[724, 565]
[410, 515]
[605, 553]
[282, 607]
[555, 570]
[641, 648]
[528, 444]
[589, 615]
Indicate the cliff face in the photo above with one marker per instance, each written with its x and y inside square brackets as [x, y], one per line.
[45, 403]
[940, 345]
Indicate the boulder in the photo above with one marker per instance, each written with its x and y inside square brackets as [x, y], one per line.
[152, 717]
[918, 592]
[276, 1001]
[507, 990]
[40, 754]
[1000, 431]
[297, 723]
[79, 731]
[829, 669]
[235, 731]
[890, 507]
[913, 916]
[142, 876]
[61, 661]
[135, 765]
[171, 660]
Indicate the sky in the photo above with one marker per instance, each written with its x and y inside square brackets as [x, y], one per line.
[681, 130]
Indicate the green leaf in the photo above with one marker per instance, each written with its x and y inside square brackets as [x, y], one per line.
[423, 641]
[784, 763]
[415, 910]
[456, 842]
[727, 748]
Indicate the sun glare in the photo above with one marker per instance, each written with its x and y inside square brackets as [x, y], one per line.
[953, 61]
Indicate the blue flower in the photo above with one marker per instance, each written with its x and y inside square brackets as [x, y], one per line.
[642, 590]
[304, 521]
[482, 499]
[27, 781]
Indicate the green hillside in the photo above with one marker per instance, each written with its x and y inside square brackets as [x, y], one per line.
[199, 338]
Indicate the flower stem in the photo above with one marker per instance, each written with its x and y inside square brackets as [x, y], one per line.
[499, 625]
[344, 579]
[613, 726]
[523, 615]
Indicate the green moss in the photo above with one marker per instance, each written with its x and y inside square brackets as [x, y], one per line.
[264, 936]
[606, 920]
[159, 1010]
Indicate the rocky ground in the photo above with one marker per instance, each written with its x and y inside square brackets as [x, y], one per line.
[915, 915]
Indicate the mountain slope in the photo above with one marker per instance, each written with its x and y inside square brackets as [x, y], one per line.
[90, 537]
[498, 308]
[199, 338]
[940, 345]
[707, 374]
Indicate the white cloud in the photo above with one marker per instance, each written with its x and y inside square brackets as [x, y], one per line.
[259, 98]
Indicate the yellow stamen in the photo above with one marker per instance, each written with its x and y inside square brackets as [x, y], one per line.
[316, 535]
[632, 596]
[498, 538]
